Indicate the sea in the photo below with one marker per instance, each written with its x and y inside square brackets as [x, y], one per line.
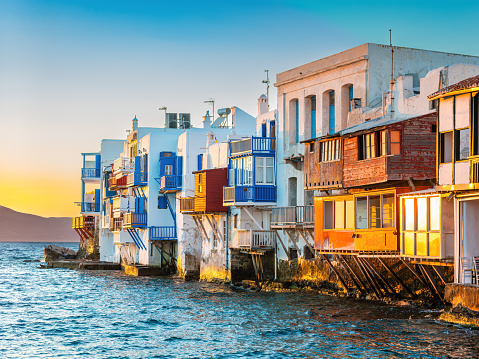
[61, 313]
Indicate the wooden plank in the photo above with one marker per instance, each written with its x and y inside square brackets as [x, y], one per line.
[401, 283]
[439, 273]
[306, 241]
[199, 225]
[217, 227]
[384, 280]
[433, 282]
[378, 284]
[282, 244]
[366, 275]
[213, 228]
[336, 272]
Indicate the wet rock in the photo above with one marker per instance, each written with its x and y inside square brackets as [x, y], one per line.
[54, 252]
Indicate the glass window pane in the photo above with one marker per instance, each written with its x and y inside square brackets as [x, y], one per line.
[259, 175]
[388, 210]
[421, 244]
[434, 244]
[349, 214]
[409, 214]
[328, 214]
[270, 161]
[383, 143]
[422, 214]
[269, 175]
[339, 214]
[463, 143]
[374, 212]
[435, 220]
[408, 238]
[361, 212]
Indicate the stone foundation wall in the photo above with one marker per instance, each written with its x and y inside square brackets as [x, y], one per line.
[462, 295]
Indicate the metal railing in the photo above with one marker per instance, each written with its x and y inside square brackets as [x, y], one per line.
[254, 239]
[295, 215]
[170, 182]
[163, 233]
[253, 144]
[137, 179]
[90, 172]
[126, 164]
[90, 207]
[187, 204]
[132, 219]
[474, 170]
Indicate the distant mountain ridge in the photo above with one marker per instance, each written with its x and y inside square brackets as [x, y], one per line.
[22, 227]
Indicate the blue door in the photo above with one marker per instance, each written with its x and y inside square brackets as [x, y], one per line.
[313, 117]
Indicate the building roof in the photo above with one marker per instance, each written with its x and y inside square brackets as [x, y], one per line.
[467, 85]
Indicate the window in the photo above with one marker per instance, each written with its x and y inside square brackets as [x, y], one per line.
[297, 120]
[446, 147]
[382, 143]
[462, 144]
[395, 143]
[338, 214]
[330, 150]
[264, 170]
[311, 147]
[332, 121]
[313, 117]
[200, 183]
[241, 173]
[375, 211]
[235, 221]
[350, 97]
[168, 170]
[370, 140]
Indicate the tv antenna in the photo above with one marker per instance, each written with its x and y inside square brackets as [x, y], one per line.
[267, 86]
[212, 101]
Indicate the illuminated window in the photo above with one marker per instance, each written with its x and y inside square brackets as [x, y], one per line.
[446, 147]
[462, 144]
[338, 214]
[200, 182]
[330, 150]
[395, 143]
[375, 211]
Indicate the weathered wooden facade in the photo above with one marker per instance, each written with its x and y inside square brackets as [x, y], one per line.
[208, 190]
[323, 163]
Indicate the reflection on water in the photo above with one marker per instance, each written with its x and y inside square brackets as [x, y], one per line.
[57, 313]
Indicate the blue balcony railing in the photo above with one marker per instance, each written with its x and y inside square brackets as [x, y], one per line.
[90, 173]
[242, 194]
[137, 179]
[170, 183]
[132, 219]
[253, 145]
[163, 233]
[90, 207]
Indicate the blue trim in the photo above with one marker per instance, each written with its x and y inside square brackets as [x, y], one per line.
[297, 121]
[350, 96]
[313, 117]
[332, 119]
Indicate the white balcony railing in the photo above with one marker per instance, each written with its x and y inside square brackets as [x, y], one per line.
[254, 239]
[124, 164]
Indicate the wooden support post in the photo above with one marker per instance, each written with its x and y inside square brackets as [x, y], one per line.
[354, 273]
[379, 285]
[349, 274]
[282, 244]
[440, 275]
[366, 275]
[396, 277]
[384, 280]
[432, 280]
[306, 241]
[255, 266]
[336, 272]
[213, 229]
[217, 228]
[294, 242]
[201, 228]
[414, 272]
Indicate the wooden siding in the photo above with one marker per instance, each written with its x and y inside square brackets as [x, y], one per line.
[321, 175]
[211, 198]
[417, 159]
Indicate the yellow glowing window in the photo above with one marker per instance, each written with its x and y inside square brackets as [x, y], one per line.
[339, 214]
[395, 143]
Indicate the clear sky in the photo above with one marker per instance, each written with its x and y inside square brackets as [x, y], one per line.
[74, 72]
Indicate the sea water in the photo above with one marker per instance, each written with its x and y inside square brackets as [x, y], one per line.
[60, 313]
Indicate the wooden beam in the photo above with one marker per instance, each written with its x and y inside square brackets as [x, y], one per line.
[353, 272]
[414, 272]
[294, 242]
[432, 280]
[440, 275]
[217, 227]
[349, 274]
[306, 241]
[336, 272]
[401, 283]
[282, 244]
[213, 228]
[200, 227]
[380, 286]
[253, 219]
[366, 275]
[384, 280]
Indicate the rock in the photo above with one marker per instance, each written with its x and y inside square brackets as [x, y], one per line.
[54, 252]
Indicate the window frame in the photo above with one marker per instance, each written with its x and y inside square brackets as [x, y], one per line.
[381, 211]
[456, 143]
[265, 168]
[330, 150]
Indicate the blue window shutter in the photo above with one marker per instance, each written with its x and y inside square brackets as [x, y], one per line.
[200, 162]
[313, 117]
[263, 130]
[332, 120]
[350, 96]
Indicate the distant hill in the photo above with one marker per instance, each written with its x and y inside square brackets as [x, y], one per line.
[22, 227]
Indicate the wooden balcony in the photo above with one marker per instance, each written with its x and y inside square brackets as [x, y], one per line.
[170, 183]
[90, 207]
[253, 145]
[296, 216]
[244, 195]
[254, 239]
[163, 233]
[117, 183]
[83, 222]
[187, 204]
[137, 179]
[134, 220]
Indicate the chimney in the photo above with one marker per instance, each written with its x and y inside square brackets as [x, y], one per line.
[262, 104]
[207, 120]
[135, 124]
